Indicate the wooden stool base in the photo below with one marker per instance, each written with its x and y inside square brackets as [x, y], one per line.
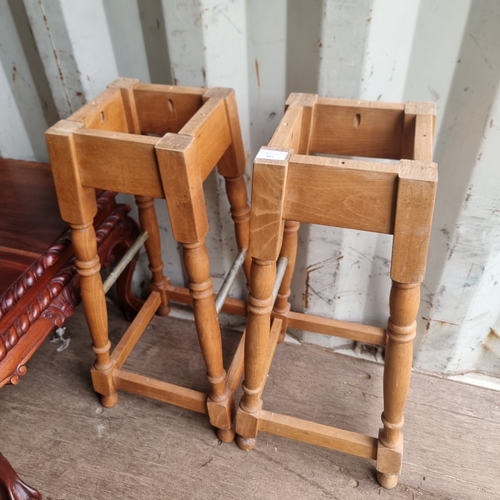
[311, 173]
[155, 142]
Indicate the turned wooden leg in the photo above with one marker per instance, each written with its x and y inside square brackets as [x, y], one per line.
[220, 401]
[149, 223]
[288, 250]
[94, 304]
[262, 278]
[11, 486]
[401, 330]
[240, 213]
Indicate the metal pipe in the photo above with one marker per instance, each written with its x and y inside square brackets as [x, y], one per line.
[280, 274]
[229, 280]
[129, 255]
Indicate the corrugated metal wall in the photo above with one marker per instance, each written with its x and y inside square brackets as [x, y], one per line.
[57, 54]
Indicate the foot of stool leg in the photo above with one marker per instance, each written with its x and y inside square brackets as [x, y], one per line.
[388, 481]
[163, 310]
[109, 400]
[389, 461]
[246, 444]
[226, 435]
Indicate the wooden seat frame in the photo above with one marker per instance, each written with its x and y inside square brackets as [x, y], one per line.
[155, 141]
[390, 198]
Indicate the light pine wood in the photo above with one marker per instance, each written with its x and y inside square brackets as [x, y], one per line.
[416, 181]
[136, 329]
[161, 391]
[76, 203]
[149, 223]
[94, 303]
[342, 193]
[105, 112]
[282, 306]
[126, 86]
[419, 120]
[212, 136]
[232, 167]
[247, 423]
[262, 277]
[327, 326]
[207, 324]
[179, 175]
[235, 372]
[165, 108]
[108, 159]
[319, 435]
[289, 135]
[108, 145]
[232, 162]
[353, 128]
[268, 189]
[388, 198]
[306, 102]
[240, 213]
[401, 330]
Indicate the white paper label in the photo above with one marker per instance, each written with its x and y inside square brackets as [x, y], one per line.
[267, 154]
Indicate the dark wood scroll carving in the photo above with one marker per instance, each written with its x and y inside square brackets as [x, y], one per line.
[57, 300]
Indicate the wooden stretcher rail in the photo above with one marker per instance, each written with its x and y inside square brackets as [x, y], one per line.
[161, 391]
[235, 372]
[274, 334]
[353, 443]
[136, 329]
[354, 331]
[308, 322]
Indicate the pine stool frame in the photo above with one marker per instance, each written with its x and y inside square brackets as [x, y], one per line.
[293, 183]
[155, 141]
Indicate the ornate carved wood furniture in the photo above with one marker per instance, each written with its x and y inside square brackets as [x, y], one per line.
[294, 183]
[108, 144]
[39, 285]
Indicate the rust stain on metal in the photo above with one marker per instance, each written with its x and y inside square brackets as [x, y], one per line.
[309, 270]
[257, 72]
[56, 56]
[438, 321]
[491, 342]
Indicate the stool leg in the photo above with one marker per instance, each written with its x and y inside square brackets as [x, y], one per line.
[401, 330]
[149, 223]
[240, 212]
[220, 401]
[288, 250]
[262, 278]
[94, 304]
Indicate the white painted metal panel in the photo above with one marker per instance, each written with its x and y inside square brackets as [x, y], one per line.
[21, 116]
[57, 54]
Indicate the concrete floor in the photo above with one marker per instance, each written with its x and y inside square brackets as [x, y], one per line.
[61, 441]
